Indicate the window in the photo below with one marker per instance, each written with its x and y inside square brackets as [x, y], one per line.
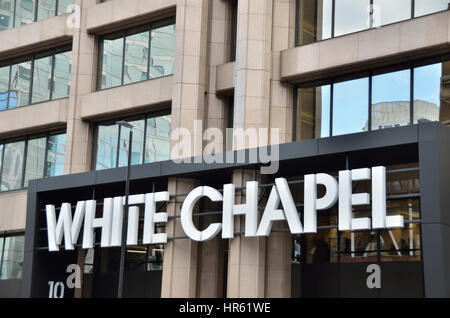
[323, 19]
[151, 142]
[136, 55]
[42, 77]
[11, 257]
[233, 29]
[328, 263]
[31, 158]
[14, 13]
[376, 100]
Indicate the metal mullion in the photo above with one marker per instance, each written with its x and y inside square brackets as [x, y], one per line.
[3, 255]
[149, 51]
[100, 63]
[145, 145]
[36, 10]
[333, 17]
[297, 23]
[370, 102]
[52, 75]
[123, 57]
[118, 147]
[25, 153]
[3, 163]
[413, 8]
[331, 107]
[31, 80]
[294, 117]
[411, 87]
[14, 17]
[56, 7]
[46, 156]
[9, 85]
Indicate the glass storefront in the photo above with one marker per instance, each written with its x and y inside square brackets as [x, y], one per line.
[11, 257]
[376, 100]
[335, 264]
[323, 19]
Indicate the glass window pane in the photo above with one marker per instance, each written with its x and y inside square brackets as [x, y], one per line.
[401, 245]
[138, 144]
[34, 167]
[422, 7]
[359, 246]
[313, 113]
[391, 94]
[162, 51]
[56, 153]
[4, 87]
[321, 248]
[12, 258]
[314, 20]
[6, 14]
[136, 58]
[25, 11]
[351, 16]
[63, 6]
[157, 147]
[427, 92]
[61, 80]
[12, 166]
[107, 141]
[112, 63]
[350, 100]
[42, 74]
[1, 158]
[46, 9]
[388, 11]
[20, 84]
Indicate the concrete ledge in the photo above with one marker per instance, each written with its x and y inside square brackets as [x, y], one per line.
[34, 118]
[35, 37]
[417, 38]
[119, 14]
[14, 209]
[225, 78]
[128, 99]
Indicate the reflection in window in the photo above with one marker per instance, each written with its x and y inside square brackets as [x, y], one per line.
[388, 95]
[12, 166]
[56, 149]
[25, 12]
[136, 57]
[322, 19]
[315, 20]
[6, 14]
[31, 158]
[34, 168]
[42, 74]
[162, 51]
[391, 94]
[351, 16]
[16, 77]
[61, 77]
[427, 92]
[350, 101]
[125, 55]
[113, 142]
[11, 253]
[423, 7]
[46, 9]
[313, 112]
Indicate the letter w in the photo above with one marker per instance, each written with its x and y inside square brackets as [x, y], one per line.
[70, 229]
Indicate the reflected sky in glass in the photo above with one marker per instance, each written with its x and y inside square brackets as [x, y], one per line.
[351, 16]
[423, 7]
[389, 11]
[427, 92]
[350, 108]
[325, 120]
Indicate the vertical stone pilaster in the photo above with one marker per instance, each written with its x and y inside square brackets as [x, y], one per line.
[253, 65]
[278, 261]
[180, 256]
[82, 82]
[246, 260]
[188, 103]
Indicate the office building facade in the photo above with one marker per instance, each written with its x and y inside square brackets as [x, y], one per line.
[340, 85]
